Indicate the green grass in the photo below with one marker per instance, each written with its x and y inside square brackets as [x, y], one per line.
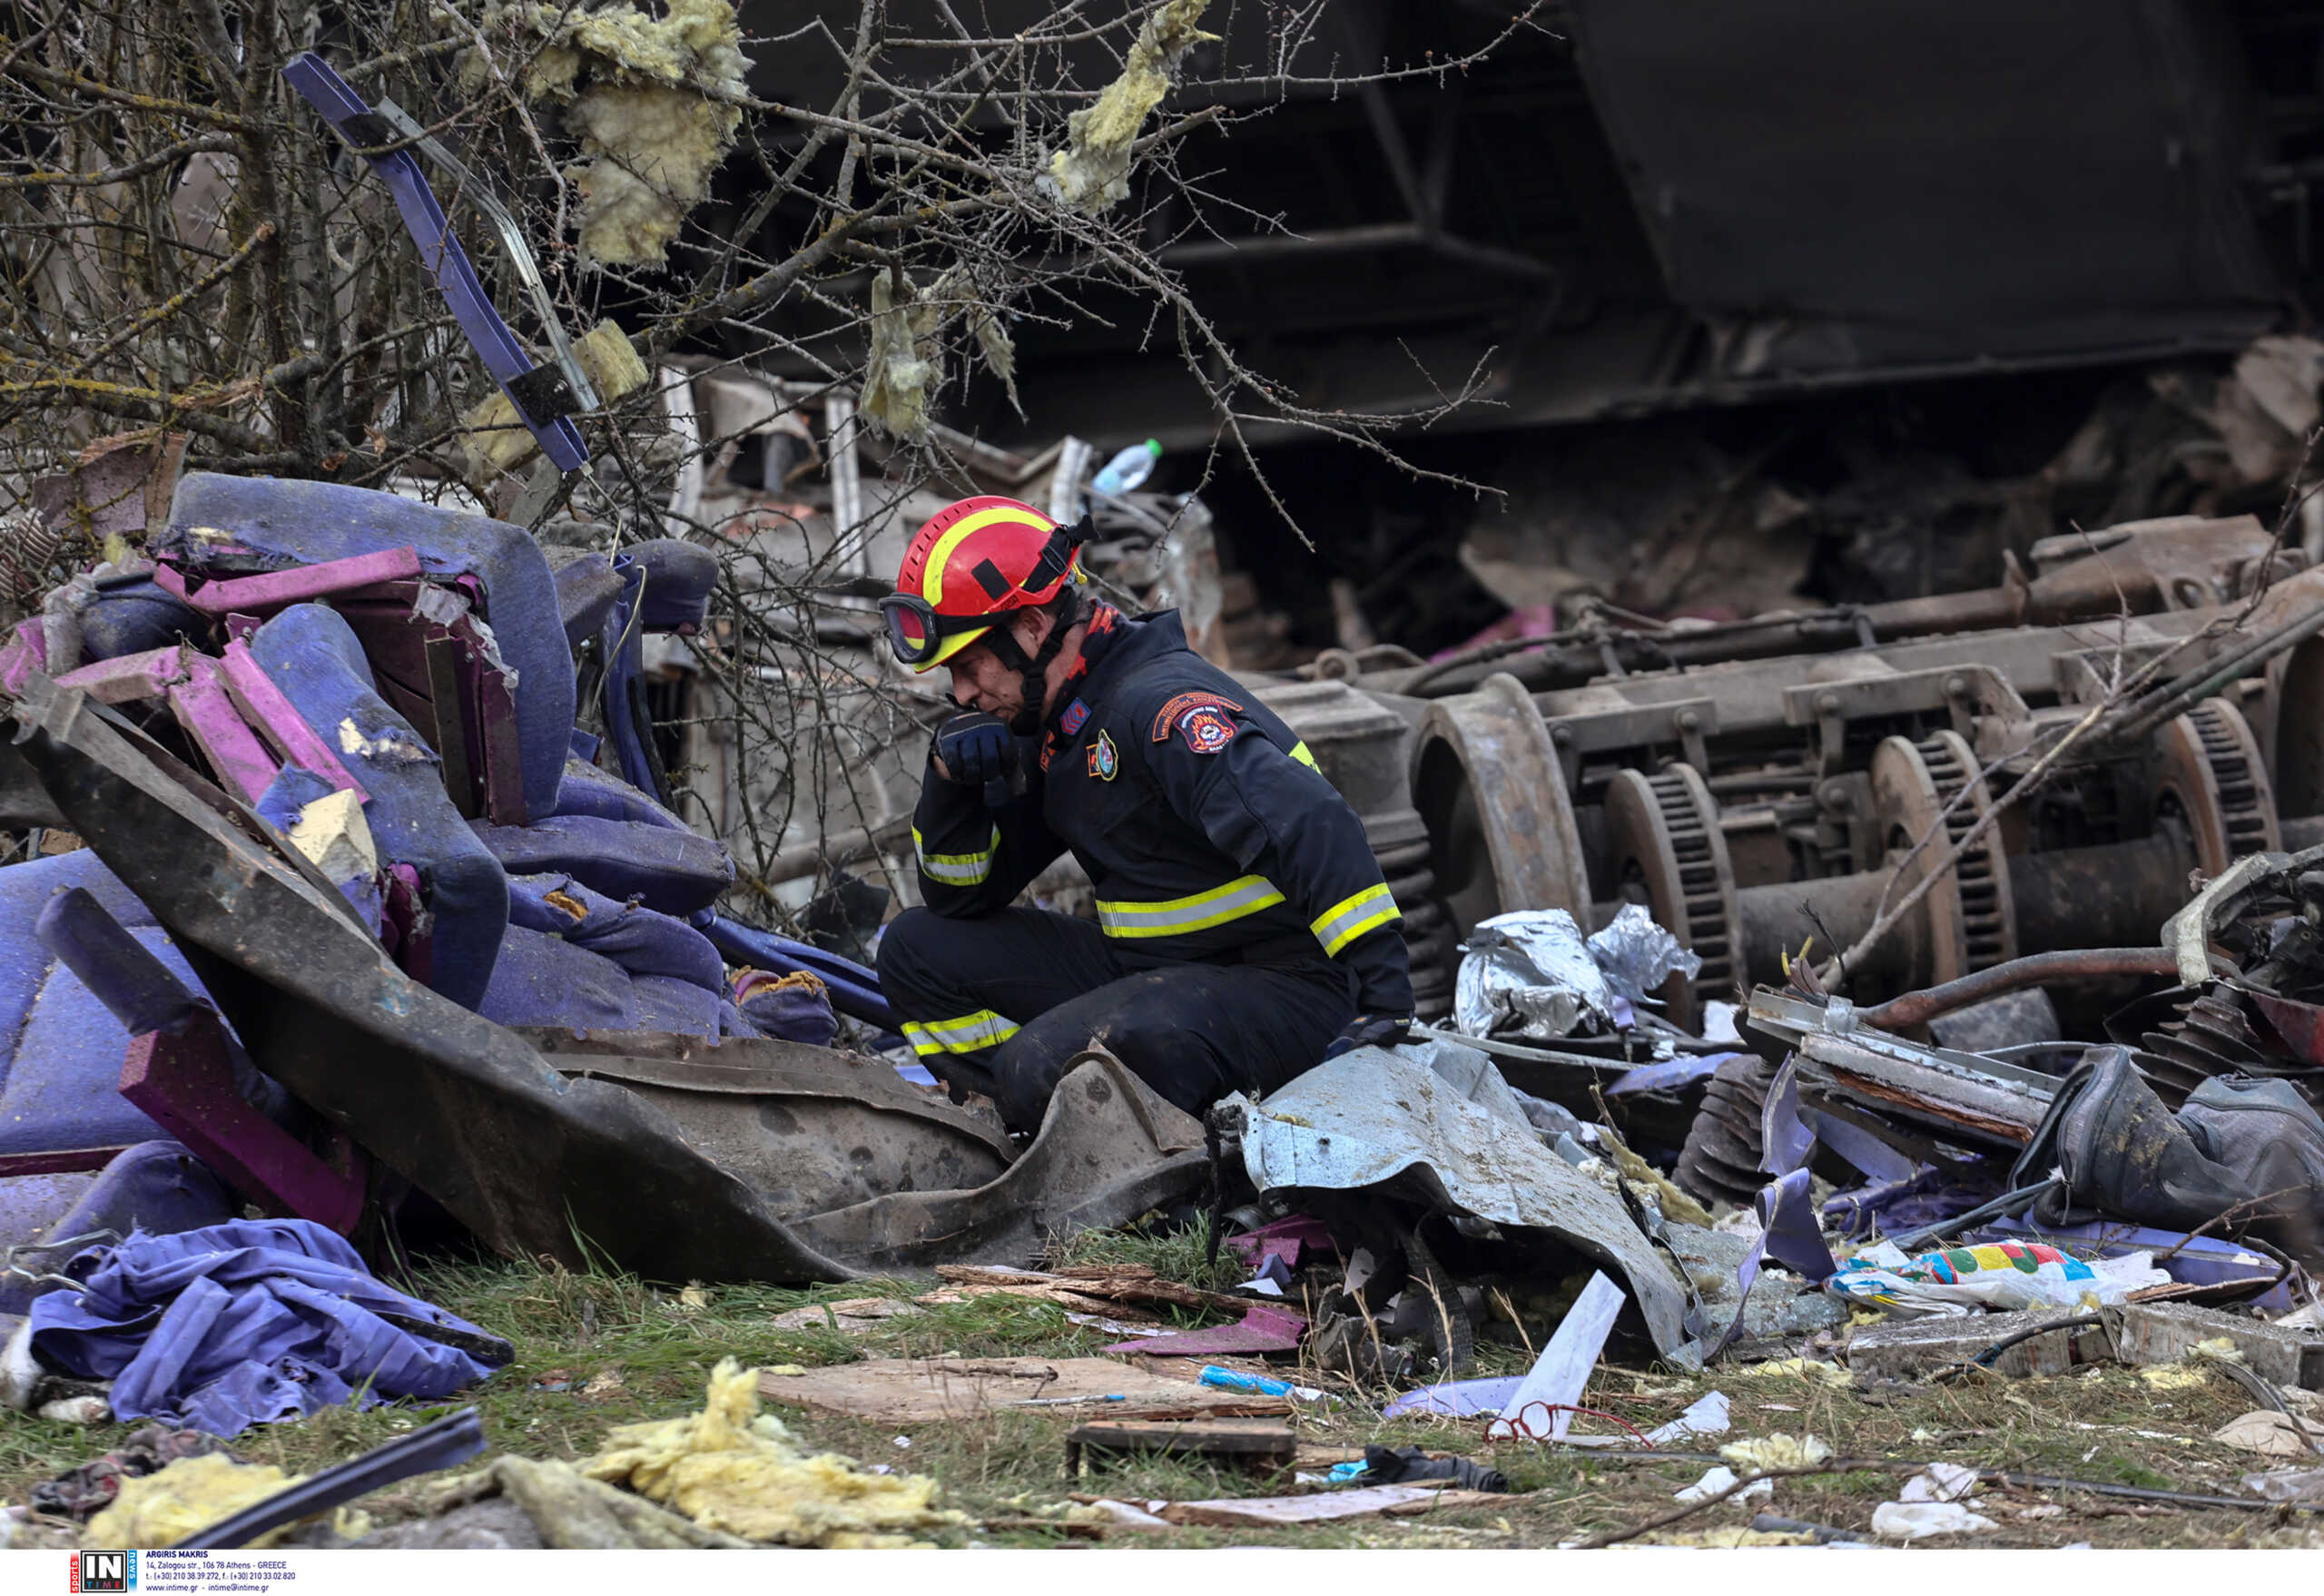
[624, 1351]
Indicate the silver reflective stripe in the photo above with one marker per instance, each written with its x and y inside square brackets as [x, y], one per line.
[968, 1034]
[1353, 917]
[1246, 895]
[956, 869]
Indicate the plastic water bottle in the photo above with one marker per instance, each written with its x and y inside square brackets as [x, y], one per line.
[1127, 470]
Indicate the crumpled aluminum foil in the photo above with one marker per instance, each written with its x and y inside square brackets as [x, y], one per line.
[1637, 955]
[1532, 973]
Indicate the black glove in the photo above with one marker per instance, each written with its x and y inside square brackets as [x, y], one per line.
[1371, 1030]
[976, 748]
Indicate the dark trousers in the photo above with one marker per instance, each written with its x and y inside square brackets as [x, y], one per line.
[997, 1004]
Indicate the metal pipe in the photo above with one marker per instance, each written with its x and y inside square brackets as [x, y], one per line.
[2067, 964]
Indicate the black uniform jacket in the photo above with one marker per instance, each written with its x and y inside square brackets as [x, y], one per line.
[1200, 818]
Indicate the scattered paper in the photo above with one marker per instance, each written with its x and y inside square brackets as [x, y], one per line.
[2268, 1434]
[1940, 1481]
[1558, 1377]
[1717, 1479]
[1910, 1520]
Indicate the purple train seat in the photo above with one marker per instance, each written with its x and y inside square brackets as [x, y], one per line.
[156, 1186]
[311, 654]
[61, 1049]
[235, 526]
[673, 872]
[577, 959]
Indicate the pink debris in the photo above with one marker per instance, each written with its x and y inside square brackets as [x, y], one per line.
[1285, 1238]
[1263, 1329]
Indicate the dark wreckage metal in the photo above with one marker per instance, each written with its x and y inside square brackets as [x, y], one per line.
[740, 1161]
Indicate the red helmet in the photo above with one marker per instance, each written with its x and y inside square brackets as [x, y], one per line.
[973, 561]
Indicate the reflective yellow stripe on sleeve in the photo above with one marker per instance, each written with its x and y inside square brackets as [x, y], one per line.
[970, 1033]
[1306, 758]
[1350, 918]
[956, 869]
[1244, 895]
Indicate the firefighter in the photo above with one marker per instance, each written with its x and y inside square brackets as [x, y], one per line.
[1244, 932]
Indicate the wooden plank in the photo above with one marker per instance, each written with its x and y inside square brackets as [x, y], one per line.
[903, 1391]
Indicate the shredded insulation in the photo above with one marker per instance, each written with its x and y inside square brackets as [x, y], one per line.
[1092, 171]
[654, 102]
[731, 1469]
[163, 1508]
[907, 356]
[496, 442]
[901, 369]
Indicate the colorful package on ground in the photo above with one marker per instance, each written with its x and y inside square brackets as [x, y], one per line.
[2001, 1275]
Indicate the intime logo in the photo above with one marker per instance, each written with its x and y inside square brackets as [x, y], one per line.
[102, 1571]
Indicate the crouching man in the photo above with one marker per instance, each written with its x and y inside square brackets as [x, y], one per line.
[1244, 931]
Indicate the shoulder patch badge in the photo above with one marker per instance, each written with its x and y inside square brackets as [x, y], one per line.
[1104, 761]
[1075, 716]
[1206, 729]
[1175, 713]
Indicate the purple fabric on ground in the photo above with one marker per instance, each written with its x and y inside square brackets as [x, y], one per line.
[1928, 1197]
[249, 1322]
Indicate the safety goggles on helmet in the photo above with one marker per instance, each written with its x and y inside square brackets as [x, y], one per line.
[921, 635]
[917, 634]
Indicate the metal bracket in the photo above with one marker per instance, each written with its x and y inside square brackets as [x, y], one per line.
[504, 356]
[1687, 722]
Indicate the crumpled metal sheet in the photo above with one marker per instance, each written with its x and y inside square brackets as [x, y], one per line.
[1109, 1148]
[463, 1108]
[1374, 1116]
[1530, 973]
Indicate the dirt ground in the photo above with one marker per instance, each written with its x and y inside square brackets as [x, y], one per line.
[597, 1351]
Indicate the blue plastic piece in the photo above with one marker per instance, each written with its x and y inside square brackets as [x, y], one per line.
[440, 252]
[313, 656]
[1236, 1380]
[287, 523]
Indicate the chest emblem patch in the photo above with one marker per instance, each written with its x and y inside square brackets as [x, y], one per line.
[1104, 761]
[1075, 716]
